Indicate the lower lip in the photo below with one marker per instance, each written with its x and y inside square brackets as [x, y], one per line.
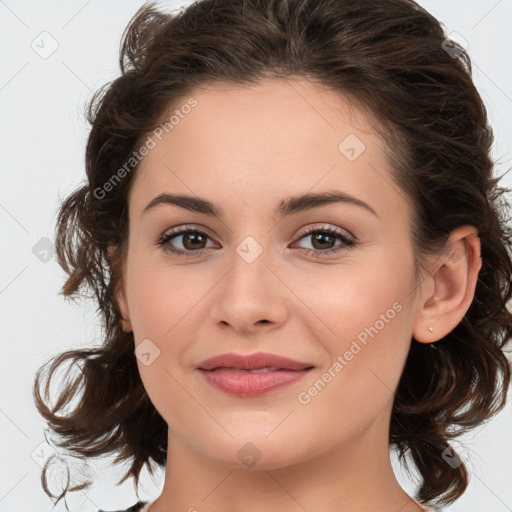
[247, 384]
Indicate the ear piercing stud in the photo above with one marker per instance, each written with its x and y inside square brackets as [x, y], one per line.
[430, 329]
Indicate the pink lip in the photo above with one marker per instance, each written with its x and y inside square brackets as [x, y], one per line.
[228, 373]
[251, 362]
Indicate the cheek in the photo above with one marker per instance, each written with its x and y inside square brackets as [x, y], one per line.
[362, 317]
[367, 343]
[160, 299]
[354, 299]
[161, 303]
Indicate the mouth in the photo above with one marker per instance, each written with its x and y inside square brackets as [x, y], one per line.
[253, 375]
[259, 361]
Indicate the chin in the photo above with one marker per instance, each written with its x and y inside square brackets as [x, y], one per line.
[255, 452]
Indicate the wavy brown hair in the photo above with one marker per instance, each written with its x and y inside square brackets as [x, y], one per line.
[393, 59]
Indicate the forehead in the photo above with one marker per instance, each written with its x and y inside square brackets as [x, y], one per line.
[264, 142]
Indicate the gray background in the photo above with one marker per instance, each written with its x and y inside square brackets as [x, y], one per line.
[43, 134]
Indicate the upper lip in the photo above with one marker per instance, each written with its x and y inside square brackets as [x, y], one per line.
[252, 362]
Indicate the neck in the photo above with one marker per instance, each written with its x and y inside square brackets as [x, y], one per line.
[356, 476]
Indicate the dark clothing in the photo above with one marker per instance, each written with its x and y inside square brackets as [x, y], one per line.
[134, 508]
[138, 506]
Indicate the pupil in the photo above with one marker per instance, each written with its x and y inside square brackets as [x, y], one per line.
[321, 237]
[196, 237]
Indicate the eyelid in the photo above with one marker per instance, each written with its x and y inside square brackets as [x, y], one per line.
[314, 227]
[186, 227]
[327, 227]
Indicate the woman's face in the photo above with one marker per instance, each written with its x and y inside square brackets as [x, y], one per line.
[252, 280]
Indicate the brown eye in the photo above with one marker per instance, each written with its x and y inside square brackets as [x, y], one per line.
[324, 240]
[192, 240]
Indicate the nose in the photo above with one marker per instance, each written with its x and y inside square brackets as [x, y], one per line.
[251, 297]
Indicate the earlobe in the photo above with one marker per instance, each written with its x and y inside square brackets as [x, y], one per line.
[120, 296]
[454, 276]
[123, 308]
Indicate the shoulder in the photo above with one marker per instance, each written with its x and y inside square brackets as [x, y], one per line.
[135, 508]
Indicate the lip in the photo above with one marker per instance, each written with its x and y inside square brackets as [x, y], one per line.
[252, 362]
[231, 373]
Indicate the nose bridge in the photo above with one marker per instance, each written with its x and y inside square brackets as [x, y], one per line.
[250, 276]
[250, 291]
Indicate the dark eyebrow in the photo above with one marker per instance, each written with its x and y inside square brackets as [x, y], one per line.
[286, 207]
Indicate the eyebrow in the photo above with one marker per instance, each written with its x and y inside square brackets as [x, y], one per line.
[288, 206]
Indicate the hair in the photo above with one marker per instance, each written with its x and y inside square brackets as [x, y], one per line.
[391, 58]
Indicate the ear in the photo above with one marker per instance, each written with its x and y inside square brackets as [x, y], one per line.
[448, 290]
[120, 295]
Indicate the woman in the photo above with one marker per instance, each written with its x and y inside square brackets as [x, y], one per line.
[300, 253]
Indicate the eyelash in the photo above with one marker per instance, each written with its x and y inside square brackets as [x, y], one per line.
[347, 242]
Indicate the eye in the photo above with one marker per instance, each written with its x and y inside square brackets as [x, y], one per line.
[324, 238]
[193, 241]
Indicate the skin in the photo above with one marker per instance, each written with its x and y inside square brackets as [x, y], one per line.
[245, 150]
